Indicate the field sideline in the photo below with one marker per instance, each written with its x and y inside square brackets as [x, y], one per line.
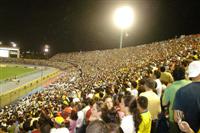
[12, 71]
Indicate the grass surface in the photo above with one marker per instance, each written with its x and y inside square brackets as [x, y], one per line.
[12, 71]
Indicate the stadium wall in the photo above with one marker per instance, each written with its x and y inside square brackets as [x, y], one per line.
[12, 95]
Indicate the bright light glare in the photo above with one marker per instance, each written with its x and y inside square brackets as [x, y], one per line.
[13, 44]
[124, 17]
[46, 46]
[46, 50]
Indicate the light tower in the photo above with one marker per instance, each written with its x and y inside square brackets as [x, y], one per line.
[123, 19]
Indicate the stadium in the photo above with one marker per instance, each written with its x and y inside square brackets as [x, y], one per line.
[150, 87]
[75, 77]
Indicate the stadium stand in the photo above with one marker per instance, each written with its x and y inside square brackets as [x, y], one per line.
[78, 101]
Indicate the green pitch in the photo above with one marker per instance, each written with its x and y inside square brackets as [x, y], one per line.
[12, 71]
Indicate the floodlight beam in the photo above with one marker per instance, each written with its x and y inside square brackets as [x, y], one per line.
[123, 19]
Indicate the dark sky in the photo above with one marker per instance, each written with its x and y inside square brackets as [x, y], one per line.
[87, 24]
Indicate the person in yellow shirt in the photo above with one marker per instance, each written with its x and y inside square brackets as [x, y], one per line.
[165, 77]
[145, 125]
[153, 99]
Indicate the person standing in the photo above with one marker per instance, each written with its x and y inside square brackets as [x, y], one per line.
[187, 100]
[170, 92]
[154, 106]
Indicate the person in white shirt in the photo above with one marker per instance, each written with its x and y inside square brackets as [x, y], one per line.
[156, 77]
[132, 119]
[80, 120]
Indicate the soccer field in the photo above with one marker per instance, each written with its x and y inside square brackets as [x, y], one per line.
[12, 71]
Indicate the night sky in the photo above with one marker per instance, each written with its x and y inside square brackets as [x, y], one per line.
[80, 25]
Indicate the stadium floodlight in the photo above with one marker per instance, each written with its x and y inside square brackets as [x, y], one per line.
[13, 44]
[46, 50]
[46, 46]
[123, 18]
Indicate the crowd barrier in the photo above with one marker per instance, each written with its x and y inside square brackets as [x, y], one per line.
[12, 95]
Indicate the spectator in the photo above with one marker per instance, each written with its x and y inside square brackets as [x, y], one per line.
[134, 90]
[186, 104]
[153, 99]
[185, 127]
[108, 103]
[154, 106]
[111, 116]
[96, 111]
[72, 121]
[159, 87]
[141, 88]
[97, 126]
[166, 77]
[80, 120]
[114, 128]
[35, 127]
[145, 126]
[132, 119]
[60, 126]
[170, 92]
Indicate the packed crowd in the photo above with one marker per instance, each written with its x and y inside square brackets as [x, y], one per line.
[127, 90]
